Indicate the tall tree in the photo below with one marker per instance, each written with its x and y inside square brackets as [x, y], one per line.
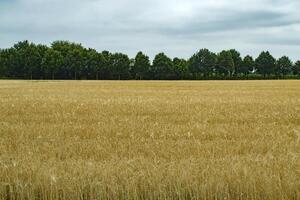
[162, 67]
[265, 63]
[225, 64]
[76, 62]
[237, 60]
[52, 62]
[63, 47]
[202, 63]
[181, 68]
[120, 66]
[25, 59]
[73, 58]
[141, 66]
[94, 63]
[106, 70]
[8, 63]
[3, 66]
[283, 66]
[296, 68]
[247, 66]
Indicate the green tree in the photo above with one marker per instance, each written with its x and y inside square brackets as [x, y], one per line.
[21, 58]
[106, 70]
[52, 62]
[40, 53]
[225, 64]
[296, 68]
[181, 68]
[265, 63]
[73, 58]
[247, 65]
[8, 63]
[120, 66]
[283, 66]
[94, 63]
[237, 60]
[141, 66]
[3, 66]
[76, 62]
[202, 63]
[162, 67]
[26, 58]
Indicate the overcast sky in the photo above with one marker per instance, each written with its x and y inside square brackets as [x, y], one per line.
[176, 27]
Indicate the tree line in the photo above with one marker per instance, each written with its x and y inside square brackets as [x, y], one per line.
[68, 60]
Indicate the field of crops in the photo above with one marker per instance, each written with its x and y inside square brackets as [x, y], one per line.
[149, 140]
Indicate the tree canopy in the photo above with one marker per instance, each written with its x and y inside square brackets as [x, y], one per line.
[69, 60]
[141, 66]
[265, 63]
[202, 63]
[283, 66]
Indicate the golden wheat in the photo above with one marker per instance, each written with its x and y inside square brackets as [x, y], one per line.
[149, 140]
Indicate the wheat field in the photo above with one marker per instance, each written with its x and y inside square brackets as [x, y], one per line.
[72, 140]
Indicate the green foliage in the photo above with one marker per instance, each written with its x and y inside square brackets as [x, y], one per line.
[27, 58]
[237, 61]
[120, 64]
[141, 66]
[162, 67]
[181, 68]
[247, 65]
[68, 60]
[225, 64]
[283, 66]
[8, 63]
[94, 64]
[265, 63]
[3, 69]
[202, 63]
[73, 58]
[51, 63]
[296, 68]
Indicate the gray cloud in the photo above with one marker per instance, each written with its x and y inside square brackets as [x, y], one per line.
[178, 28]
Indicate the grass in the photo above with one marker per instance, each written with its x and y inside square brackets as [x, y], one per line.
[149, 140]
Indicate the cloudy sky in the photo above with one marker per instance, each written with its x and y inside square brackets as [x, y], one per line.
[176, 27]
